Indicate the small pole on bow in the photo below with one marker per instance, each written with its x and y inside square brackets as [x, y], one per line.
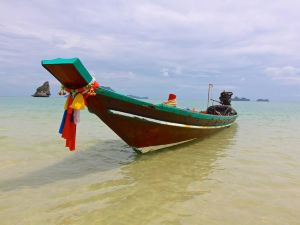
[210, 86]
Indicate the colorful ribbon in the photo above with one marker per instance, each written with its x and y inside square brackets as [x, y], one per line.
[76, 101]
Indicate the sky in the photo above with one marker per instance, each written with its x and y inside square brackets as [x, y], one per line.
[153, 48]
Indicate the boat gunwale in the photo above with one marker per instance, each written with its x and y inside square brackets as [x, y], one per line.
[162, 107]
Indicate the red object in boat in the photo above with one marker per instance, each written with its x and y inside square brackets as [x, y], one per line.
[172, 97]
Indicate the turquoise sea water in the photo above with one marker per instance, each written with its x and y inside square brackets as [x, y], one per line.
[247, 174]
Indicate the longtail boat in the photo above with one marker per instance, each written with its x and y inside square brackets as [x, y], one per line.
[142, 125]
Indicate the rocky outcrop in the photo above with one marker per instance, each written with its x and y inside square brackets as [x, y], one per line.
[240, 99]
[262, 100]
[107, 88]
[43, 91]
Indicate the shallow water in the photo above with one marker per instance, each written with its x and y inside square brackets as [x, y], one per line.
[246, 174]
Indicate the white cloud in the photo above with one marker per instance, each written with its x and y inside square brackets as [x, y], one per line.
[191, 42]
[172, 71]
[165, 72]
[116, 75]
[287, 74]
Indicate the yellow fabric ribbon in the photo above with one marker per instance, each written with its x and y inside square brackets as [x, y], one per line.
[78, 102]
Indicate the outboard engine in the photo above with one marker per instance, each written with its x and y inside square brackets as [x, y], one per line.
[224, 109]
[225, 97]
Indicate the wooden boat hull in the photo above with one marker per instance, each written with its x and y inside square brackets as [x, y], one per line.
[147, 127]
[142, 125]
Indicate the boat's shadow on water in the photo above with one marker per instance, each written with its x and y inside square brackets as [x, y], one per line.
[102, 156]
[105, 156]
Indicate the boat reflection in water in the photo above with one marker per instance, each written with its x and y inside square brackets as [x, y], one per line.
[162, 180]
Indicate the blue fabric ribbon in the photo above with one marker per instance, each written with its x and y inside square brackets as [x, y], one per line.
[62, 124]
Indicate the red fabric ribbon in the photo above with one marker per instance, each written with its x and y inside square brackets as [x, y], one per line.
[69, 130]
[68, 127]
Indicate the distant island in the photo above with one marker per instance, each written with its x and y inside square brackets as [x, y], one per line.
[43, 91]
[240, 99]
[131, 96]
[107, 88]
[137, 97]
[262, 100]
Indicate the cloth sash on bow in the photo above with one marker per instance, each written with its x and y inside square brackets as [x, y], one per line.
[75, 102]
[70, 119]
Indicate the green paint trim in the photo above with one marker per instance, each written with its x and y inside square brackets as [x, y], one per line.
[59, 61]
[73, 61]
[162, 107]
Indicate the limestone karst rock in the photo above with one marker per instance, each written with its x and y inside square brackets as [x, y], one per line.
[43, 91]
